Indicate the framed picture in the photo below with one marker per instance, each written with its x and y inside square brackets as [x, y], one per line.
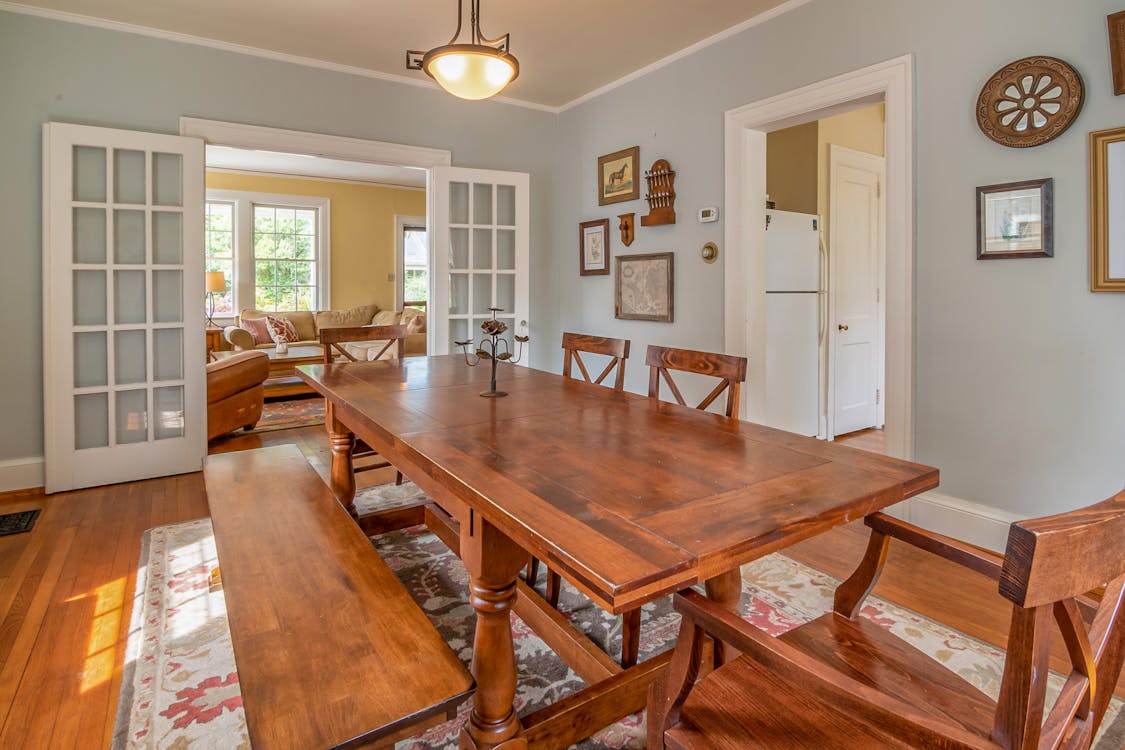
[1117, 50]
[593, 248]
[1107, 218]
[1014, 220]
[617, 176]
[645, 287]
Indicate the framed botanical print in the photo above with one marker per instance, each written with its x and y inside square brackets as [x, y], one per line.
[645, 287]
[593, 248]
[617, 176]
[1015, 220]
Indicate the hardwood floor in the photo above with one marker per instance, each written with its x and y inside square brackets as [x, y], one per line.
[66, 589]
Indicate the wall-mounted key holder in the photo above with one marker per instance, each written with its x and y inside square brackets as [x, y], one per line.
[626, 227]
[661, 195]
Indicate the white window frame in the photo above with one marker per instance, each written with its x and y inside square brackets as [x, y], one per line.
[401, 223]
[244, 202]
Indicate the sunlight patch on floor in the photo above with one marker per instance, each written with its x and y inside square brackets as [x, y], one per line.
[109, 601]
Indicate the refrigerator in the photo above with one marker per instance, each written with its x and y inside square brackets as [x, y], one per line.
[794, 304]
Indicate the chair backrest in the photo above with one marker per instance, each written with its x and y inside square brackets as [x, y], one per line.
[1050, 563]
[333, 339]
[616, 349]
[730, 370]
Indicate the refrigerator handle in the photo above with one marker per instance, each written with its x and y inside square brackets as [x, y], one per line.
[822, 293]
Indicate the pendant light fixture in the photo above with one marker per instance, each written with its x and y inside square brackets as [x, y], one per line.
[477, 70]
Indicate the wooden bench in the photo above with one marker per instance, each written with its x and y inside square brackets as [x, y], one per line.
[331, 649]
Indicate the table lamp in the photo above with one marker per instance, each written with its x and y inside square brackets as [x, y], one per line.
[216, 283]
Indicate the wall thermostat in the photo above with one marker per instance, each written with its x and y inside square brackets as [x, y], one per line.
[709, 214]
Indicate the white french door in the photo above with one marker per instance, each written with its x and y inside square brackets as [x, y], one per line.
[124, 381]
[479, 225]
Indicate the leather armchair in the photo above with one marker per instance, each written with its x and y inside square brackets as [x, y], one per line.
[235, 393]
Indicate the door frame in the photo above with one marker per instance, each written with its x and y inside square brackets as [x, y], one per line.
[836, 154]
[240, 135]
[745, 128]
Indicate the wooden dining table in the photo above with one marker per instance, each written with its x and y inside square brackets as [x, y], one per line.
[630, 499]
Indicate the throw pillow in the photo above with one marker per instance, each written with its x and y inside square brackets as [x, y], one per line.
[281, 330]
[414, 320]
[258, 329]
[385, 318]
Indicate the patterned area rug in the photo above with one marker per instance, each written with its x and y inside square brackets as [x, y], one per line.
[291, 412]
[181, 688]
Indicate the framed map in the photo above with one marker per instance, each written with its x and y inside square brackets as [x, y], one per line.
[644, 289]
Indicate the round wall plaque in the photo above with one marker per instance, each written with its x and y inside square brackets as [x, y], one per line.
[1030, 101]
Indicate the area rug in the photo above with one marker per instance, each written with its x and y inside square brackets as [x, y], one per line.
[291, 412]
[181, 686]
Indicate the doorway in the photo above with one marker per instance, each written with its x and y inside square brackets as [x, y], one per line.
[745, 279]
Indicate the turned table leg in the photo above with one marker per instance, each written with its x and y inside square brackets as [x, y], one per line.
[726, 590]
[342, 442]
[494, 563]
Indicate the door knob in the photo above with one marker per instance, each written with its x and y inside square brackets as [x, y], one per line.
[843, 326]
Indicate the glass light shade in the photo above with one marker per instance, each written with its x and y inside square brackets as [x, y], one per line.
[216, 282]
[470, 71]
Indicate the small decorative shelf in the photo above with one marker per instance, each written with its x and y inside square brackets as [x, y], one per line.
[661, 195]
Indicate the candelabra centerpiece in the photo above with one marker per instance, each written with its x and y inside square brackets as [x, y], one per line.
[494, 349]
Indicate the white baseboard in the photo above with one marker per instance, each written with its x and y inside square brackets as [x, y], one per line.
[966, 521]
[21, 474]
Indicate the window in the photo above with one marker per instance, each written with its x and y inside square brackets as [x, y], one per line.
[219, 239]
[273, 248]
[415, 265]
[285, 258]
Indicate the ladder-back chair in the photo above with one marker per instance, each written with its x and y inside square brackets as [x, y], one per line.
[843, 682]
[729, 369]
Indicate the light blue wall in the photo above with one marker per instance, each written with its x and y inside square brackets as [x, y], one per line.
[1019, 396]
[66, 72]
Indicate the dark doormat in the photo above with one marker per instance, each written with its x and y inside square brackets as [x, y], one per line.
[15, 523]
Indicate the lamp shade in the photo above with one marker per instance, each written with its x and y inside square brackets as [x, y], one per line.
[471, 71]
[216, 282]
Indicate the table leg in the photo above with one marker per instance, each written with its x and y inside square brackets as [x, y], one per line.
[494, 563]
[726, 590]
[342, 442]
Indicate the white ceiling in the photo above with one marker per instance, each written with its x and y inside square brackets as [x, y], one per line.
[300, 165]
[566, 48]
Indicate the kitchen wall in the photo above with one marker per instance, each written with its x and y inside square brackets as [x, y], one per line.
[1017, 385]
[51, 70]
[361, 226]
[792, 168]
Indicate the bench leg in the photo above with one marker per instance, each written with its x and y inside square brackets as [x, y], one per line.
[493, 562]
[342, 442]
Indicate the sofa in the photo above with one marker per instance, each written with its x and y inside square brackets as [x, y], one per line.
[251, 333]
[235, 392]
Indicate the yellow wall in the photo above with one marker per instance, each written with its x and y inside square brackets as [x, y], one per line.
[860, 130]
[791, 168]
[361, 224]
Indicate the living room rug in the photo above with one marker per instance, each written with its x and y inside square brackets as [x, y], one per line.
[180, 688]
[300, 411]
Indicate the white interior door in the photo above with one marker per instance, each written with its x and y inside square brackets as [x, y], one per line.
[855, 242]
[124, 381]
[479, 227]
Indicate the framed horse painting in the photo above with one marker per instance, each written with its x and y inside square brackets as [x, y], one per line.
[617, 176]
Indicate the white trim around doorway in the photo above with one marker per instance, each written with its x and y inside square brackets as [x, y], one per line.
[744, 283]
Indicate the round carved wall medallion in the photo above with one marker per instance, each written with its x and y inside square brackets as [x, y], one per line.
[1030, 101]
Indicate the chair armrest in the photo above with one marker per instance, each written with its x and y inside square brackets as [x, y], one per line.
[239, 338]
[896, 716]
[975, 559]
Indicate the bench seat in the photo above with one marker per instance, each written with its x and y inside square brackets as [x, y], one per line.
[331, 649]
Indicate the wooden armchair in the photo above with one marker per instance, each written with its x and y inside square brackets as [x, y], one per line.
[574, 344]
[842, 682]
[729, 369]
[334, 341]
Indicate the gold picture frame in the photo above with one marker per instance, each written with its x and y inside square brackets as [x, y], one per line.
[618, 180]
[1107, 233]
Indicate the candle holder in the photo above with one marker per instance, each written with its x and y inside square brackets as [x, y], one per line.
[493, 329]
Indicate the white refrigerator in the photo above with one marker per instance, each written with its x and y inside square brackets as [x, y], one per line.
[794, 294]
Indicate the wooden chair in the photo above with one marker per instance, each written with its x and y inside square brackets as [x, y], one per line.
[574, 344]
[843, 682]
[730, 370]
[334, 339]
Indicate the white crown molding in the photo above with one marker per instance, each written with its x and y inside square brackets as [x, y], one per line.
[173, 36]
[310, 62]
[749, 23]
[22, 474]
